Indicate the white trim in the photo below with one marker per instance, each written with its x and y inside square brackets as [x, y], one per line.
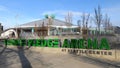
[64, 26]
[50, 26]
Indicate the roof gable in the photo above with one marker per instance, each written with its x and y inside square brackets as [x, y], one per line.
[39, 23]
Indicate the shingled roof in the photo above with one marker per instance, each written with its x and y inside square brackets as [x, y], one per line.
[39, 23]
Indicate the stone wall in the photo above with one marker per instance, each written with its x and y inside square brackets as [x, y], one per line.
[112, 55]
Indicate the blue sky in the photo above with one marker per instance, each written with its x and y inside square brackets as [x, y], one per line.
[16, 12]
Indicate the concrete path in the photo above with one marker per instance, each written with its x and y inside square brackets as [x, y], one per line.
[19, 58]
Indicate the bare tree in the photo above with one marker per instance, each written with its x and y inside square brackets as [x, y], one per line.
[79, 24]
[87, 19]
[107, 24]
[84, 20]
[68, 18]
[50, 21]
[98, 18]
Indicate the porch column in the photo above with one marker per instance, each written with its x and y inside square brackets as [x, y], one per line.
[48, 31]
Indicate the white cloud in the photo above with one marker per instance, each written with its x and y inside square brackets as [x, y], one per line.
[3, 8]
[63, 12]
[113, 13]
[60, 14]
[112, 9]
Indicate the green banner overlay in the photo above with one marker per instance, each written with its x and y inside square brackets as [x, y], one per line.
[57, 43]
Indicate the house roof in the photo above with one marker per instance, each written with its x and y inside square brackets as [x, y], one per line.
[39, 23]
